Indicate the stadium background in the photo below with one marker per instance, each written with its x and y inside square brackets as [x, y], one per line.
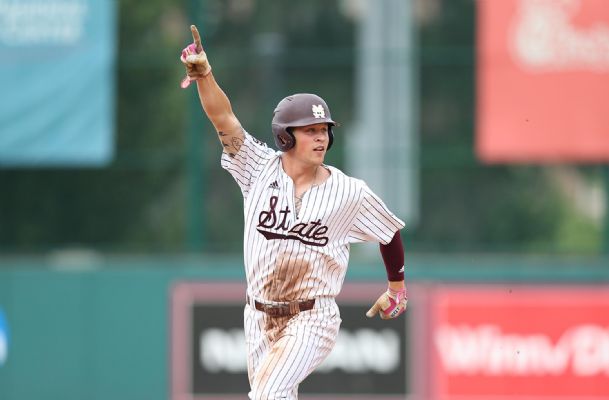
[92, 253]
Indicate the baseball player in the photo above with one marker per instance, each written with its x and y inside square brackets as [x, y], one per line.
[301, 216]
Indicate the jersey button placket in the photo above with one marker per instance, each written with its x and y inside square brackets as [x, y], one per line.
[290, 197]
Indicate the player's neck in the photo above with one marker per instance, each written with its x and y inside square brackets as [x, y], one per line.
[301, 173]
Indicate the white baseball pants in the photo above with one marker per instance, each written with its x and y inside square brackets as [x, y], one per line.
[283, 351]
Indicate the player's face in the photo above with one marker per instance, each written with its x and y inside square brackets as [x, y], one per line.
[311, 143]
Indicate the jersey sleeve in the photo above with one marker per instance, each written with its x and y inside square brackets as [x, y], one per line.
[246, 165]
[373, 221]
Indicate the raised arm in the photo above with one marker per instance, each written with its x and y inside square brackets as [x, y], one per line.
[214, 101]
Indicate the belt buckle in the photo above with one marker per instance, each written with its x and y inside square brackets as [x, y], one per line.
[274, 310]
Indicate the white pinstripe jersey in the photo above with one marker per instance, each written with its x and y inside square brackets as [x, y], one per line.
[290, 256]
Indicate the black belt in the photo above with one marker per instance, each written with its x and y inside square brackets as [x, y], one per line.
[283, 310]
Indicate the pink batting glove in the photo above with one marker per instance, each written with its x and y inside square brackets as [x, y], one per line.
[187, 51]
[397, 303]
[390, 304]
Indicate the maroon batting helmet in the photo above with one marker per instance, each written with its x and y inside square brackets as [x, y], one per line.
[297, 110]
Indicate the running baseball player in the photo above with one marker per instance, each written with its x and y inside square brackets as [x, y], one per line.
[301, 216]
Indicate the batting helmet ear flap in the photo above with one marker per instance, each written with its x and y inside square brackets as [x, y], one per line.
[330, 137]
[284, 138]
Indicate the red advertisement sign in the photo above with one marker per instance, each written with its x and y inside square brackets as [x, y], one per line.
[542, 80]
[529, 343]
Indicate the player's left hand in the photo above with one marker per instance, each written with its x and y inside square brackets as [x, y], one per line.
[390, 304]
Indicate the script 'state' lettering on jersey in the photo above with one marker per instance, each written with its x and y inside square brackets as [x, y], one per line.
[269, 225]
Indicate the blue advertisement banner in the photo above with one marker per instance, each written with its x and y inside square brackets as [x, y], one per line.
[57, 82]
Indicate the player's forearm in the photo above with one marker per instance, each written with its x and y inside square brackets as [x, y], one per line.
[393, 258]
[216, 104]
[218, 109]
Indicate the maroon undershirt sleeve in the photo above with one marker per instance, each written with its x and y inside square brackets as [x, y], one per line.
[393, 257]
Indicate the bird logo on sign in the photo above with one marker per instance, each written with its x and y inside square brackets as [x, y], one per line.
[318, 111]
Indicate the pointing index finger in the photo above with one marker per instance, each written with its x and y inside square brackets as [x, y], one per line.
[197, 38]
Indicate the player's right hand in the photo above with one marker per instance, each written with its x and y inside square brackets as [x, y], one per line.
[194, 59]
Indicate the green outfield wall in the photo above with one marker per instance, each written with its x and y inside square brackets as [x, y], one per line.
[99, 329]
